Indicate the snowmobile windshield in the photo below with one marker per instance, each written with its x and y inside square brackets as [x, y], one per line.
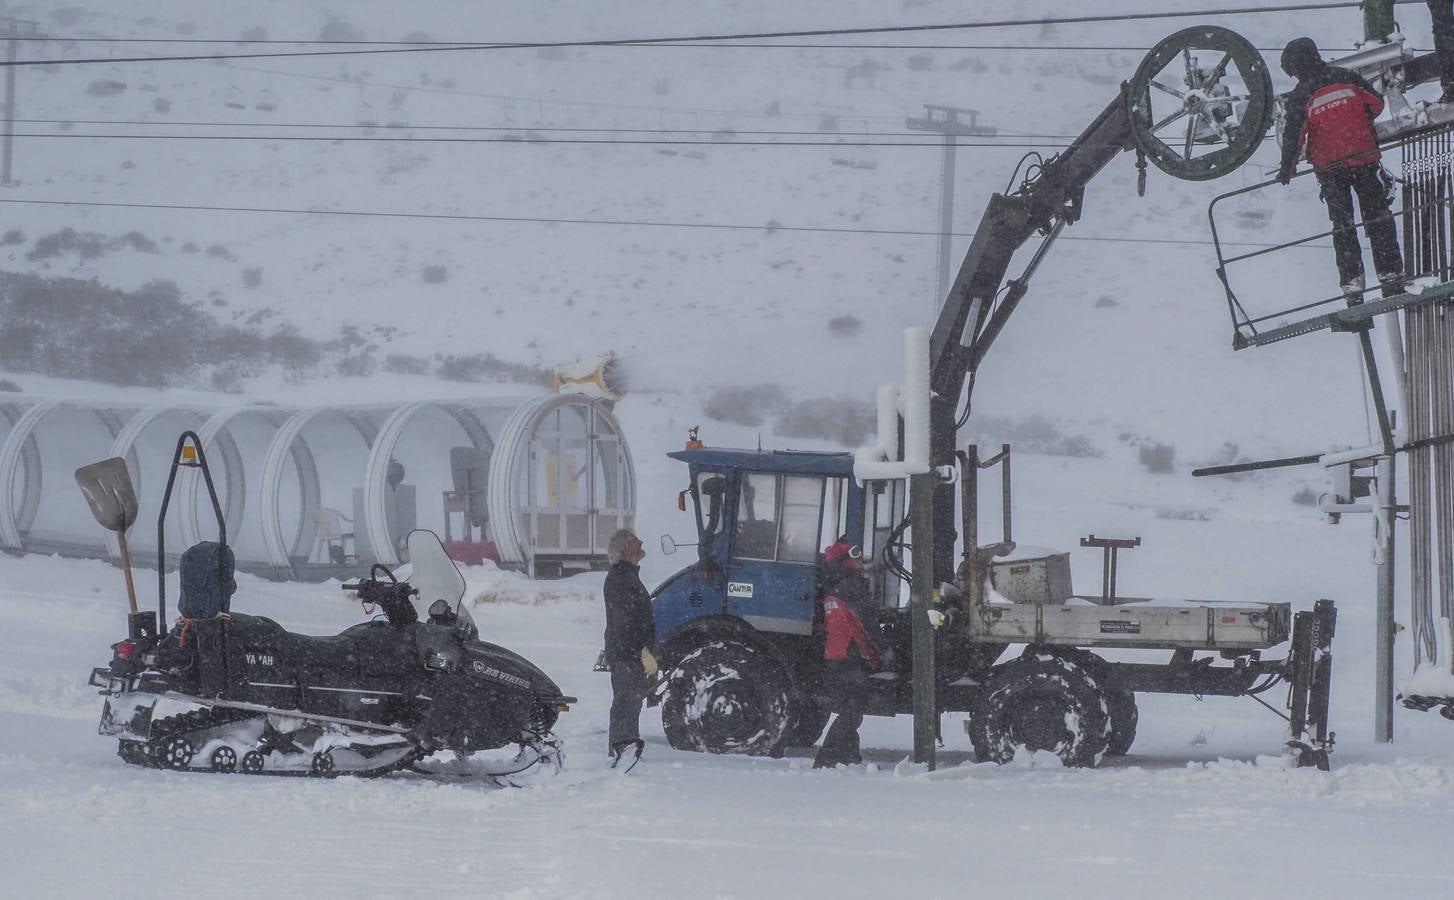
[435, 576]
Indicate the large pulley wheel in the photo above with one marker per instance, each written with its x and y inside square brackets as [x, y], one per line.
[1200, 103]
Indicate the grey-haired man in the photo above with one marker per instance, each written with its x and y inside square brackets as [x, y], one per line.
[630, 632]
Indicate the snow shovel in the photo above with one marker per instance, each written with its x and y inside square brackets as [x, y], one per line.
[107, 488]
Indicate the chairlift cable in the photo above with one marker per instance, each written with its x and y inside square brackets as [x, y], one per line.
[723, 226]
[702, 38]
[728, 45]
[156, 123]
[402, 139]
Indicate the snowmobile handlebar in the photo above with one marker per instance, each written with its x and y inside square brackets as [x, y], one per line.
[391, 595]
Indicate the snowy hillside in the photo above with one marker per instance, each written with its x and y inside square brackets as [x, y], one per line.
[1122, 344]
[684, 305]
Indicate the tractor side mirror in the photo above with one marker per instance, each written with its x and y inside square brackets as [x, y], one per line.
[108, 491]
[668, 546]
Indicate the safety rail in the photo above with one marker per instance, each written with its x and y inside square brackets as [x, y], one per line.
[1246, 328]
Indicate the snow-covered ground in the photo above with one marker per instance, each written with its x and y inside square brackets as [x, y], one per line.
[1203, 800]
[1122, 342]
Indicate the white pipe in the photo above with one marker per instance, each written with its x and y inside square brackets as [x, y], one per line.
[916, 399]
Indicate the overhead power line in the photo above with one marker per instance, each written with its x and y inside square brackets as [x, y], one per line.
[409, 139]
[545, 129]
[725, 45]
[770, 226]
[707, 38]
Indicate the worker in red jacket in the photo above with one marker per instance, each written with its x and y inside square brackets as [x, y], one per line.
[1330, 114]
[848, 656]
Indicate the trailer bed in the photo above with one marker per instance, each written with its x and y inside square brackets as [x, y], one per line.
[1175, 625]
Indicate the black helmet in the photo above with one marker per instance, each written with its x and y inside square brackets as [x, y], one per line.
[1300, 57]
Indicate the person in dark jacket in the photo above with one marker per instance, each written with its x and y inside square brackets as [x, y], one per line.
[630, 632]
[848, 656]
[1330, 113]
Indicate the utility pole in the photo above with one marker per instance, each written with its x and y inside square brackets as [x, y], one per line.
[921, 630]
[946, 120]
[14, 28]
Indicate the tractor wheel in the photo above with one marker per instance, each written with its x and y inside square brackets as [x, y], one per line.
[1041, 701]
[1121, 732]
[727, 696]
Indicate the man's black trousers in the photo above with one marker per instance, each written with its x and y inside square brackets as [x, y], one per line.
[628, 690]
[1374, 192]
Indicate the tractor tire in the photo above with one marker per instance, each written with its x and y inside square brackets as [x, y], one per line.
[727, 696]
[1121, 732]
[1041, 701]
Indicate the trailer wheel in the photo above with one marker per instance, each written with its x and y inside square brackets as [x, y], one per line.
[727, 697]
[1040, 701]
[1121, 732]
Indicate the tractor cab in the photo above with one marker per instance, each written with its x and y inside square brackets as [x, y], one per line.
[763, 519]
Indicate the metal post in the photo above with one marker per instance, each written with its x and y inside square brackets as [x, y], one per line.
[946, 120]
[11, 49]
[1384, 522]
[926, 705]
[946, 220]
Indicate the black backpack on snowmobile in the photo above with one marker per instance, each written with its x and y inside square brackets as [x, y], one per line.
[226, 691]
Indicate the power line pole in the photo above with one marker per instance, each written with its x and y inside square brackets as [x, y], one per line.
[946, 120]
[13, 30]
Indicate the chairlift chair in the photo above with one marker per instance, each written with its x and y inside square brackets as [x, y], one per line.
[864, 159]
[149, 81]
[1253, 210]
[394, 116]
[512, 128]
[533, 135]
[664, 149]
[115, 78]
[692, 152]
[851, 158]
[366, 115]
[267, 101]
[233, 99]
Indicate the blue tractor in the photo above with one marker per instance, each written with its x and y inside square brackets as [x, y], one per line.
[737, 629]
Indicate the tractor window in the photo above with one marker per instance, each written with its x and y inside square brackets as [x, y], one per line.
[711, 496]
[801, 513]
[757, 516]
[885, 509]
[835, 514]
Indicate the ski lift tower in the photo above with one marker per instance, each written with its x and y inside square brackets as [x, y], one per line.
[14, 30]
[1418, 327]
[946, 120]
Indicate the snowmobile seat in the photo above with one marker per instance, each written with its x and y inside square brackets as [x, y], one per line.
[207, 580]
[300, 651]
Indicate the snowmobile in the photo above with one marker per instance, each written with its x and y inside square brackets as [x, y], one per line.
[224, 691]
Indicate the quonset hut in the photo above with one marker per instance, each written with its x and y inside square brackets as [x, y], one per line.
[536, 484]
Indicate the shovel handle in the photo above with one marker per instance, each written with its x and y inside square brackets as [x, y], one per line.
[126, 569]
